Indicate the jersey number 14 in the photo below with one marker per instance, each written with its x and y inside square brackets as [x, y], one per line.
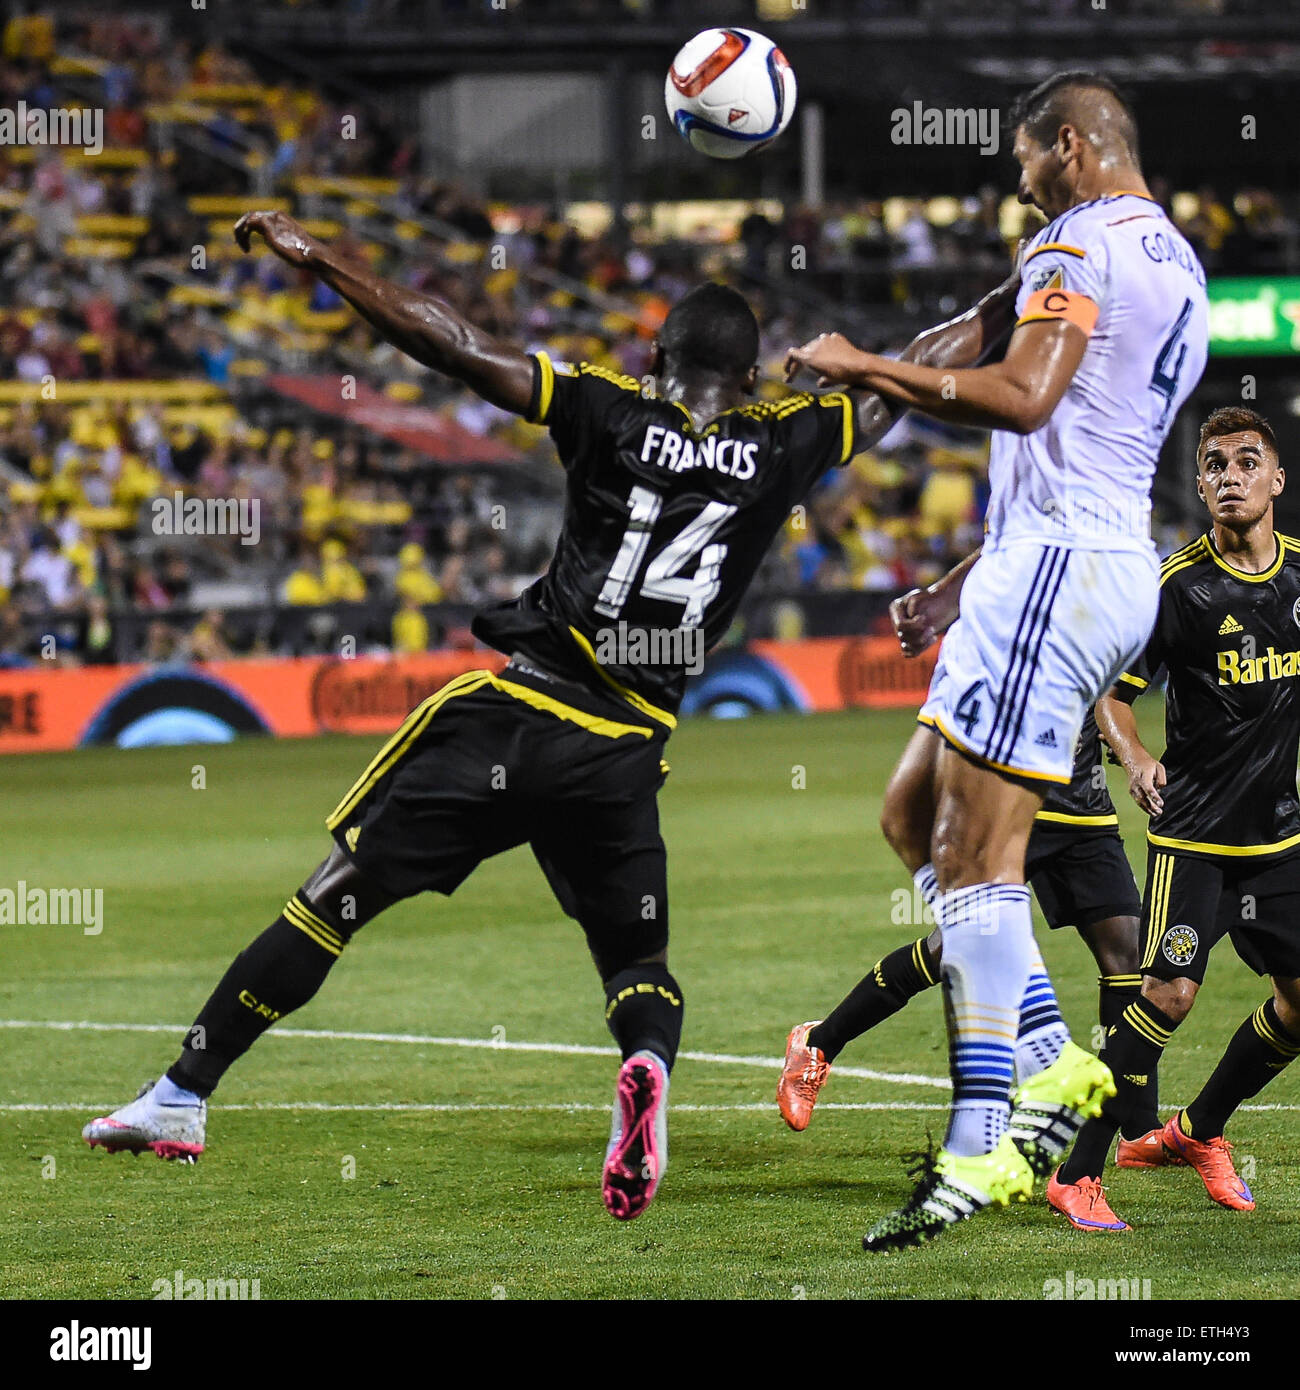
[663, 578]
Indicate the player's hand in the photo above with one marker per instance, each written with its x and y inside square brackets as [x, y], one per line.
[834, 359]
[917, 622]
[1145, 780]
[291, 242]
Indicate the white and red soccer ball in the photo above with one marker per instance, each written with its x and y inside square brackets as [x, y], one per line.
[730, 92]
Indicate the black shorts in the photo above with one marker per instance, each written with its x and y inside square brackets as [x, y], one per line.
[491, 762]
[1191, 903]
[1080, 876]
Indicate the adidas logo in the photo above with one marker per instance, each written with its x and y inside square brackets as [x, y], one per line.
[1136, 1080]
[1229, 625]
[1047, 739]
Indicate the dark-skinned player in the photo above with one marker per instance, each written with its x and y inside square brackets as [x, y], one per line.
[673, 495]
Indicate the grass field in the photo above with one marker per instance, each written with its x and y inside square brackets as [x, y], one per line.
[780, 901]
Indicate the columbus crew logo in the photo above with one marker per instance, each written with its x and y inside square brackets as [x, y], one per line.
[1179, 944]
[1295, 612]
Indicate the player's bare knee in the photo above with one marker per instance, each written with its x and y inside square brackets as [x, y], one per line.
[1174, 998]
[1115, 944]
[1286, 1001]
[342, 894]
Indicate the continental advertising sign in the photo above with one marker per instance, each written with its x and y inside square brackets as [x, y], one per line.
[142, 706]
[1251, 316]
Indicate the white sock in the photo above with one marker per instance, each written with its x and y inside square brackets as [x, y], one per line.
[1042, 1031]
[988, 945]
[167, 1092]
[927, 884]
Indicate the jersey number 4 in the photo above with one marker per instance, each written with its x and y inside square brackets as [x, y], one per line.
[1164, 378]
[663, 578]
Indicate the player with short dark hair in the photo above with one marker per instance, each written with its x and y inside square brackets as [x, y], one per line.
[1111, 336]
[673, 496]
[1223, 855]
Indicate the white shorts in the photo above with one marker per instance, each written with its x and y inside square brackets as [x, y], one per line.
[1043, 632]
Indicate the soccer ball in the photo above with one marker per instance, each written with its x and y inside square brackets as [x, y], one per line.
[729, 92]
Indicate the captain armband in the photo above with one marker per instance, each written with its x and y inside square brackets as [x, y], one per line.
[1069, 305]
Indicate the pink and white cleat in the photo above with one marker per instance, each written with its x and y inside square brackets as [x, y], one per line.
[637, 1156]
[170, 1131]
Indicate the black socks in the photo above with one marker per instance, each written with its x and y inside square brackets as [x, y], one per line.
[644, 1011]
[278, 973]
[892, 982]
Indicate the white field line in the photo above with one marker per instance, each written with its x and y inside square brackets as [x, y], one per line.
[564, 1107]
[469, 1108]
[490, 1044]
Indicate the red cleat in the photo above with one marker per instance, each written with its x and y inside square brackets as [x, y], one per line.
[1212, 1159]
[803, 1075]
[1146, 1151]
[1083, 1204]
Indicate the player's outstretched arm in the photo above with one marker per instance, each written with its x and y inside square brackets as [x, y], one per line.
[920, 615]
[1018, 393]
[961, 342]
[423, 327]
[1146, 775]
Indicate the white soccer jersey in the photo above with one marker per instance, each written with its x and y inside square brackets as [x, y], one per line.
[1083, 480]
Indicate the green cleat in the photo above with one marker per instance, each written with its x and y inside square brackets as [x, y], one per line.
[1049, 1109]
[950, 1189]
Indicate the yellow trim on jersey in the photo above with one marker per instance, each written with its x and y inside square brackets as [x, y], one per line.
[619, 379]
[638, 702]
[593, 723]
[1129, 193]
[1065, 818]
[998, 767]
[1119, 981]
[411, 727]
[1134, 680]
[310, 925]
[1190, 551]
[1055, 246]
[1158, 907]
[1184, 559]
[1259, 578]
[848, 423]
[1229, 851]
[918, 960]
[547, 388]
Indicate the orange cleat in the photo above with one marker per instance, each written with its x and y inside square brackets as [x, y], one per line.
[1083, 1204]
[1146, 1151]
[803, 1075]
[1212, 1159]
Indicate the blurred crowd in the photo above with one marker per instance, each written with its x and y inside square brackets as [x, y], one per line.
[119, 268]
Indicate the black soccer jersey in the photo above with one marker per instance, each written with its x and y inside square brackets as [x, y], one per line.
[664, 526]
[1231, 645]
[1086, 801]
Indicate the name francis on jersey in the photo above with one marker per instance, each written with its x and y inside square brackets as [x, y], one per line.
[666, 448]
